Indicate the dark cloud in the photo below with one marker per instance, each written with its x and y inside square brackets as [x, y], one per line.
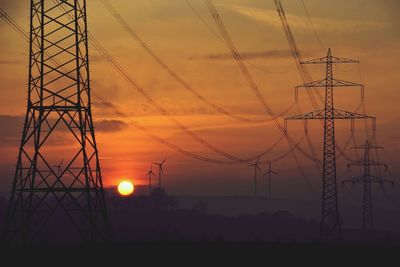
[96, 57]
[15, 8]
[5, 4]
[110, 125]
[11, 128]
[250, 55]
[11, 62]
[109, 106]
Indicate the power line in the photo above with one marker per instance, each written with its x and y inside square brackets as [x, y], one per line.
[100, 49]
[238, 59]
[120, 70]
[114, 12]
[312, 25]
[314, 158]
[303, 70]
[221, 41]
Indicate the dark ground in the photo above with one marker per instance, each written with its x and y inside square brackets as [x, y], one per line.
[154, 229]
[201, 254]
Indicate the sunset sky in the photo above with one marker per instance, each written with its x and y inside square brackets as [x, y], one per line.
[364, 30]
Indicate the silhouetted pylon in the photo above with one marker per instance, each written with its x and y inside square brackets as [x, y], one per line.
[368, 228]
[58, 109]
[330, 225]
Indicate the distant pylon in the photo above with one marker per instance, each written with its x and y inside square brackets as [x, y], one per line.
[368, 229]
[330, 226]
[58, 109]
[269, 174]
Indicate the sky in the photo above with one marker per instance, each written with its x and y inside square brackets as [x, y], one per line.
[366, 30]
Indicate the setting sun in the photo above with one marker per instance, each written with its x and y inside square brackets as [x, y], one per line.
[125, 188]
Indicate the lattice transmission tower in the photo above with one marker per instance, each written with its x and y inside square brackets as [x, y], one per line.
[367, 178]
[48, 200]
[330, 225]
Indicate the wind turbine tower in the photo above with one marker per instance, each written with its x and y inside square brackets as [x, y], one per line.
[160, 171]
[149, 174]
[256, 166]
[269, 174]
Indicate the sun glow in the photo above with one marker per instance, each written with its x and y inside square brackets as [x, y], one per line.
[126, 188]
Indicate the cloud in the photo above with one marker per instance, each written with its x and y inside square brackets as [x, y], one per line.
[249, 55]
[7, 4]
[114, 110]
[10, 62]
[110, 125]
[271, 17]
[11, 128]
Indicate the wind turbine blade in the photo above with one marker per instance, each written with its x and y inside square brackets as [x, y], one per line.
[162, 162]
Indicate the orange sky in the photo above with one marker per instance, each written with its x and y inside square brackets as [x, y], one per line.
[364, 30]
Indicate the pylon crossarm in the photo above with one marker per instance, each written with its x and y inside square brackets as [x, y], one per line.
[374, 163]
[377, 179]
[335, 83]
[342, 83]
[369, 179]
[313, 115]
[367, 146]
[371, 163]
[356, 163]
[353, 180]
[324, 60]
[338, 114]
[345, 115]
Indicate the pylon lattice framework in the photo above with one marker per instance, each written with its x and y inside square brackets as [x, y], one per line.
[367, 178]
[58, 123]
[330, 225]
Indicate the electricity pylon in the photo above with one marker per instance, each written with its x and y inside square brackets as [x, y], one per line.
[368, 229]
[330, 225]
[256, 166]
[269, 174]
[58, 123]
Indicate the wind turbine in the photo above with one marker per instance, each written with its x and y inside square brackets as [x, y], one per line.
[269, 172]
[160, 171]
[256, 167]
[59, 168]
[149, 174]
